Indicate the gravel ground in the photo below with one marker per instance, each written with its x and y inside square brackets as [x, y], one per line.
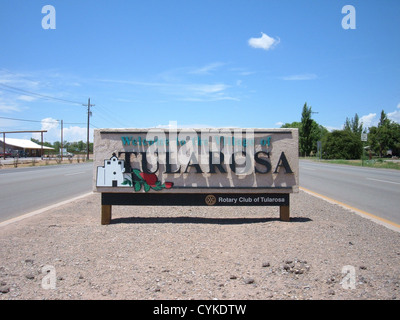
[199, 253]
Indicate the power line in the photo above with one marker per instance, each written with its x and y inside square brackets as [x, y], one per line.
[106, 117]
[110, 115]
[41, 121]
[54, 121]
[92, 125]
[89, 113]
[47, 97]
[26, 120]
[18, 75]
[38, 94]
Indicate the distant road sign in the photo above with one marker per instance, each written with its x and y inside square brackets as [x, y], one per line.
[364, 136]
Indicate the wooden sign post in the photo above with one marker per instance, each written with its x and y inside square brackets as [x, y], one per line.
[195, 167]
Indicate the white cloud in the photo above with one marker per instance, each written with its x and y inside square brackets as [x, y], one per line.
[372, 119]
[207, 69]
[246, 73]
[200, 92]
[183, 89]
[26, 98]
[8, 108]
[265, 42]
[70, 134]
[49, 124]
[242, 71]
[207, 88]
[74, 134]
[395, 115]
[19, 80]
[53, 132]
[279, 124]
[369, 120]
[174, 125]
[300, 77]
[331, 128]
[209, 99]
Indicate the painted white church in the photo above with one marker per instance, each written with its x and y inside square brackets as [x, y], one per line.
[112, 174]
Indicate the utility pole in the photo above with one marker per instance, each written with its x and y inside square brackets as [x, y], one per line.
[88, 117]
[41, 149]
[62, 140]
[4, 145]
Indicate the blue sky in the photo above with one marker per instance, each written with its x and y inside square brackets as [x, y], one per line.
[225, 63]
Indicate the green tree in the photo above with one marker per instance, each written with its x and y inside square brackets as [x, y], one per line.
[57, 146]
[385, 136]
[305, 134]
[317, 133]
[354, 125]
[341, 144]
[396, 139]
[294, 124]
[383, 121]
[81, 146]
[46, 144]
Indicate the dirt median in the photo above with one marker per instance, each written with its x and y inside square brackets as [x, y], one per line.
[325, 252]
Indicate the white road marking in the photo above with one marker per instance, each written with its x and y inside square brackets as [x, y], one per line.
[73, 174]
[308, 168]
[383, 181]
[34, 213]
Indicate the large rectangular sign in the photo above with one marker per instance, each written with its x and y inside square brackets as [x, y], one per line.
[196, 167]
[196, 199]
[174, 161]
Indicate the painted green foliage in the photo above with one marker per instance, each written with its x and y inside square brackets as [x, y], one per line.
[146, 180]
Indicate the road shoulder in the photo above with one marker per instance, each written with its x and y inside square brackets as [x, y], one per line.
[200, 253]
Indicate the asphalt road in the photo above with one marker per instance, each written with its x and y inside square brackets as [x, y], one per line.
[23, 190]
[376, 191]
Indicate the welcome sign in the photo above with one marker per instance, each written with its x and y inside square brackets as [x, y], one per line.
[196, 166]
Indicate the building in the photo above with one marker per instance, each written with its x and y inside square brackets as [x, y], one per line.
[21, 148]
[112, 174]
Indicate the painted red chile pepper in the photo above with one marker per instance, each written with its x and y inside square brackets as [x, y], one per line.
[147, 181]
[150, 178]
[168, 185]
